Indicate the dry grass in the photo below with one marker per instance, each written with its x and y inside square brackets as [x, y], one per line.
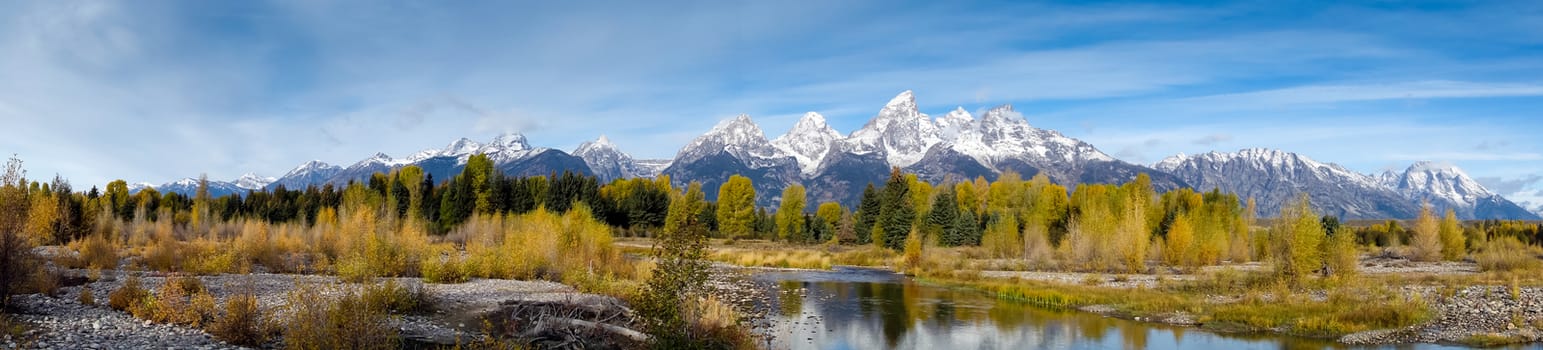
[1508, 254]
[784, 258]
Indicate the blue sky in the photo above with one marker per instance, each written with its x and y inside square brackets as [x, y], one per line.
[159, 90]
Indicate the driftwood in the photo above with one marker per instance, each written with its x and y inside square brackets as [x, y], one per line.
[618, 330]
[586, 323]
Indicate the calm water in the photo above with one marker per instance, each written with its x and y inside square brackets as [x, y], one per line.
[851, 308]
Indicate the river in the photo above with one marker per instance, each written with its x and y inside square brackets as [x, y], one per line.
[855, 308]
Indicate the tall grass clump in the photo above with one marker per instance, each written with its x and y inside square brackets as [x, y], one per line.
[335, 318]
[1507, 254]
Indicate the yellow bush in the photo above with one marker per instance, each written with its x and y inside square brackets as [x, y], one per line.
[242, 323]
[97, 252]
[343, 321]
[127, 295]
[1507, 254]
[444, 265]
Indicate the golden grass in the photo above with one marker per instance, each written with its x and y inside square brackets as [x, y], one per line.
[791, 258]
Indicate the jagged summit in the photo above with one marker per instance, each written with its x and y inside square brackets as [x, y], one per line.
[740, 137]
[808, 141]
[252, 181]
[609, 162]
[511, 141]
[1275, 178]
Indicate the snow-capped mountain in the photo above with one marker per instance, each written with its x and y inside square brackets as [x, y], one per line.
[251, 181]
[808, 141]
[734, 146]
[189, 186]
[959, 146]
[900, 132]
[309, 173]
[608, 162]
[1274, 178]
[652, 167]
[509, 151]
[1445, 186]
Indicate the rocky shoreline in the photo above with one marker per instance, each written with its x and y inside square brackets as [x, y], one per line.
[62, 322]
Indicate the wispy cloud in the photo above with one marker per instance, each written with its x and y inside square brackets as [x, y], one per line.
[1414, 90]
[1508, 187]
[1468, 156]
[226, 88]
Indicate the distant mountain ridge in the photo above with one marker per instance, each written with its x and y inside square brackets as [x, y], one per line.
[957, 145]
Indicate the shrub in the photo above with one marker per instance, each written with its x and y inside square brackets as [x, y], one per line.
[128, 295]
[446, 265]
[98, 253]
[46, 282]
[392, 297]
[344, 321]
[85, 296]
[242, 323]
[1506, 254]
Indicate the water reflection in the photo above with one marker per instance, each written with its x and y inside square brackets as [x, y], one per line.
[867, 309]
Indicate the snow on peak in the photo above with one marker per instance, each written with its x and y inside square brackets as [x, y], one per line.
[1441, 180]
[511, 141]
[606, 160]
[309, 167]
[738, 131]
[251, 181]
[460, 147]
[906, 99]
[1172, 162]
[601, 144]
[901, 132]
[739, 136]
[808, 141]
[383, 159]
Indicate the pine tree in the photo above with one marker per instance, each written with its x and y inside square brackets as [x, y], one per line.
[943, 218]
[790, 215]
[867, 214]
[897, 213]
[736, 207]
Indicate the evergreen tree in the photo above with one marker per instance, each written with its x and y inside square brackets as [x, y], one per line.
[897, 213]
[943, 218]
[867, 214]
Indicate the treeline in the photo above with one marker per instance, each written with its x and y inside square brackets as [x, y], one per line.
[1090, 226]
[59, 215]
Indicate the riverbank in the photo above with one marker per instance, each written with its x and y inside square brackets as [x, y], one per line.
[1391, 300]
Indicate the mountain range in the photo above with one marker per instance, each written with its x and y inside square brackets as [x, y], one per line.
[955, 146]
